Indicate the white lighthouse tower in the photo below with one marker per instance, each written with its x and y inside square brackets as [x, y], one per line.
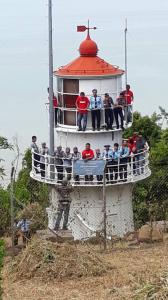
[85, 73]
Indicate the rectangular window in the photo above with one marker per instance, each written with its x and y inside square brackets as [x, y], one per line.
[71, 86]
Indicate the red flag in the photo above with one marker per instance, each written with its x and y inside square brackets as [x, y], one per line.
[81, 28]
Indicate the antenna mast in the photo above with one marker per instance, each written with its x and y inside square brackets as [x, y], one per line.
[51, 108]
[126, 70]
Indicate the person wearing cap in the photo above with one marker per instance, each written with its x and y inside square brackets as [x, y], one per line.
[118, 110]
[87, 155]
[75, 156]
[67, 162]
[82, 104]
[107, 155]
[108, 108]
[115, 168]
[43, 159]
[64, 201]
[98, 156]
[59, 155]
[95, 107]
[124, 154]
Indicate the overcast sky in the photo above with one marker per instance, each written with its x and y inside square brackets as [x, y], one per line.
[24, 54]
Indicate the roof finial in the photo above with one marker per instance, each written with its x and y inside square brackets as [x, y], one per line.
[88, 34]
[82, 28]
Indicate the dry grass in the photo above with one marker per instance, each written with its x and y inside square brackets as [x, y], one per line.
[140, 273]
[46, 260]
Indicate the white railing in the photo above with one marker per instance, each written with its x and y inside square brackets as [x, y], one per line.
[124, 170]
[68, 117]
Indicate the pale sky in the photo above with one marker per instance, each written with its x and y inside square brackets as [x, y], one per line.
[24, 55]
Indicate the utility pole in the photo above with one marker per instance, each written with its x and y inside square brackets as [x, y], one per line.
[12, 206]
[125, 35]
[51, 108]
[104, 211]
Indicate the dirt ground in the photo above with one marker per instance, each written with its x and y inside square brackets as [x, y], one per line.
[134, 268]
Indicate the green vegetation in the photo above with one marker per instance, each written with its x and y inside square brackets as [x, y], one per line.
[150, 197]
[2, 253]
[26, 193]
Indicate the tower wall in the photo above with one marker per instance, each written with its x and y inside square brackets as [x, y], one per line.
[86, 213]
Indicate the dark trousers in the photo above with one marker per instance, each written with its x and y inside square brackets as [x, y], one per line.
[99, 178]
[113, 168]
[76, 178]
[62, 208]
[69, 171]
[123, 168]
[59, 172]
[109, 117]
[96, 115]
[88, 177]
[118, 112]
[36, 162]
[55, 115]
[42, 170]
[26, 237]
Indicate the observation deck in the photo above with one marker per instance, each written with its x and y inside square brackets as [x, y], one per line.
[133, 169]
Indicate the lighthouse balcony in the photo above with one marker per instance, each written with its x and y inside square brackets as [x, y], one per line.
[95, 172]
[67, 120]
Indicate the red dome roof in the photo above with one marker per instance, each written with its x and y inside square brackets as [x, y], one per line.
[88, 63]
[88, 47]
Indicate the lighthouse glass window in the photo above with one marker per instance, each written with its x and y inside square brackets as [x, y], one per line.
[70, 94]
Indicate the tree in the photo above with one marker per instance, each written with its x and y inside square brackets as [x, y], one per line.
[4, 144]
[150, 196]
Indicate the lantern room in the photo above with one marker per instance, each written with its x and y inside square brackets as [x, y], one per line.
[84, 73]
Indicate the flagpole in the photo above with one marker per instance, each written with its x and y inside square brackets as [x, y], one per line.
[51, 108]
[125, 35]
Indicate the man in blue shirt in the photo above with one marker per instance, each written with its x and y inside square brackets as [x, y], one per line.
[107, 155]
[115, 162]
[124, 154]
[95, 107]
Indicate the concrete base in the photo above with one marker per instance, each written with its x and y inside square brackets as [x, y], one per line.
[86, 212]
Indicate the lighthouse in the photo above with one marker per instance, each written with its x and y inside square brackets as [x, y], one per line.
[83, 74]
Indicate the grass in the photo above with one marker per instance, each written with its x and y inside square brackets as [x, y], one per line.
[2, 253]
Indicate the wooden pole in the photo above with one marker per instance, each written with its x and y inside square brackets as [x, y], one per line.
[104, 211]
[12, 207]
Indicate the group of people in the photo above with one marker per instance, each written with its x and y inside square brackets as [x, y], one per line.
[119, 109]
[117, 159]
[112, 109]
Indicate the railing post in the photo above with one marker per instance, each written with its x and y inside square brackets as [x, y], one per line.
[104, 211]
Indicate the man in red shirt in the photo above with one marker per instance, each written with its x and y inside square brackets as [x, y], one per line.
[88, 154]
[55, 105]
[129, 97]
[82, 104]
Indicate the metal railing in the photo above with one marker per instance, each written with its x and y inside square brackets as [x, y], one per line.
[68, 117]
[124, 170]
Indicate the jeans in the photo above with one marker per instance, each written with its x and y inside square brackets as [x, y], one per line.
[80, 117]
[128, 113]
[123, 168]
[96, 115]
[118, 112]
[36, 162]
[55, 115]
[109, 117]
[62, 208]
[42, 170]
